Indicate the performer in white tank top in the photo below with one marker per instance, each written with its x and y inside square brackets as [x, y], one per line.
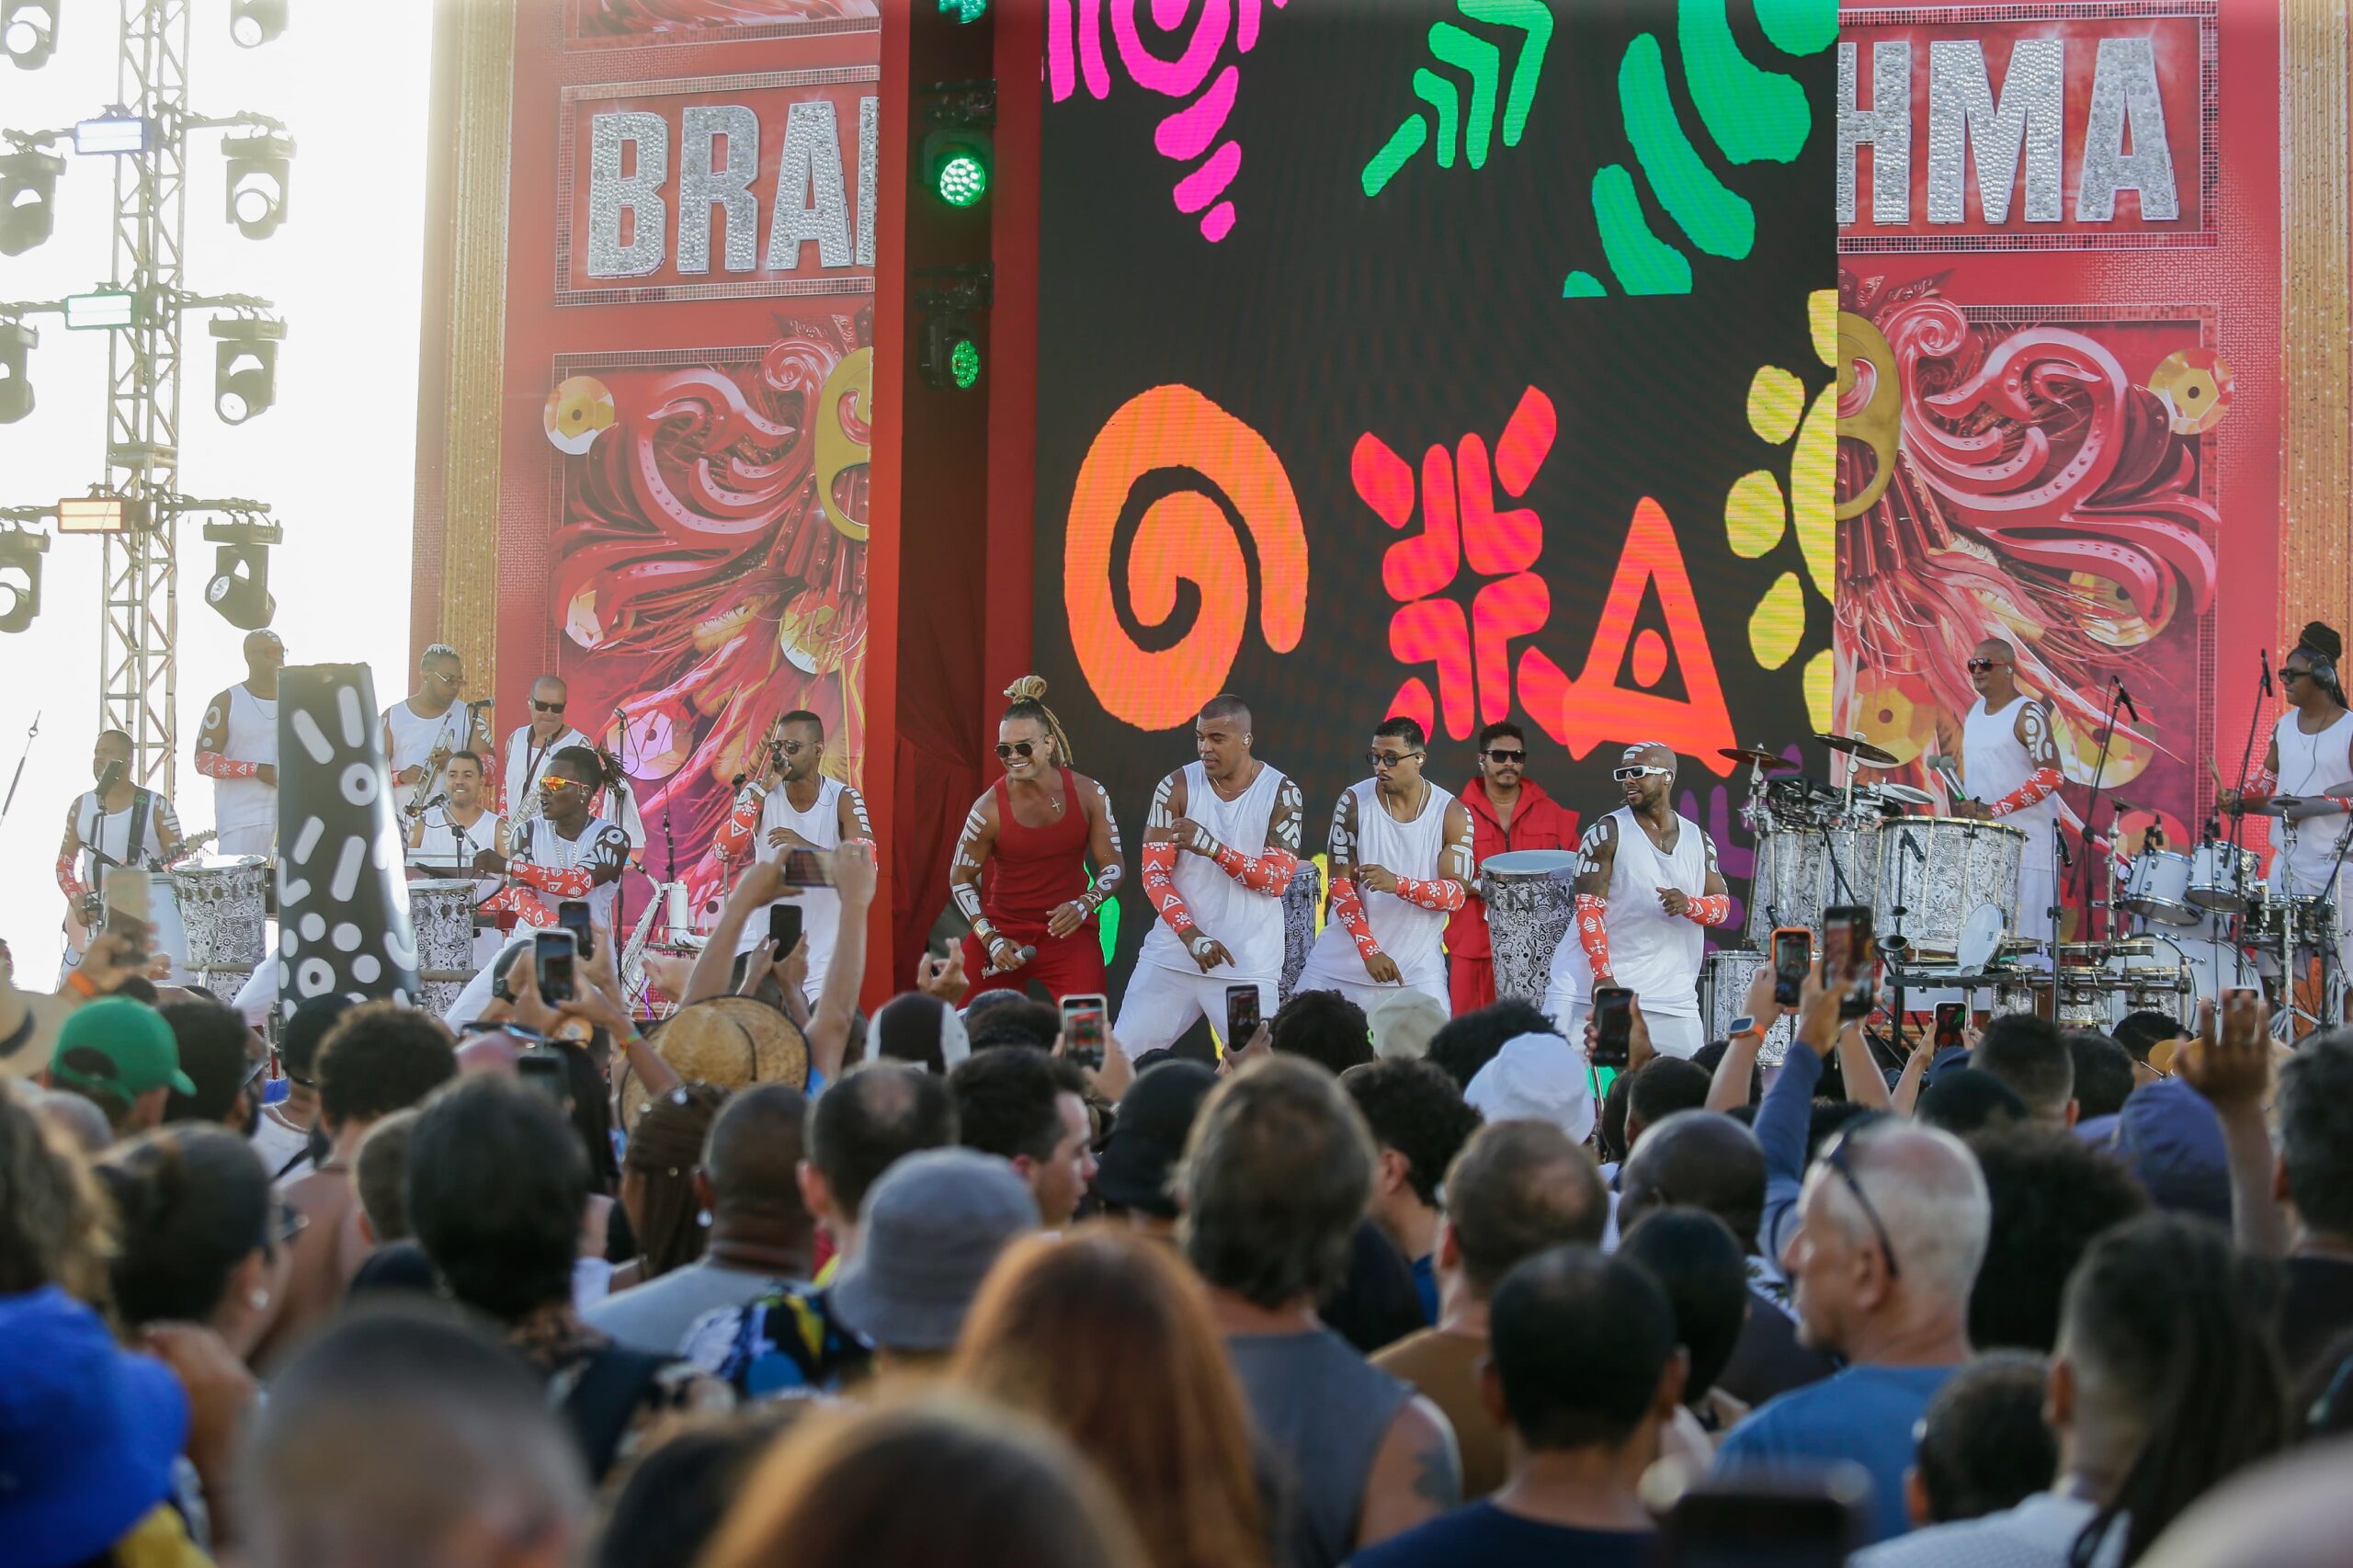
[238, 749]
[119, 824]
[1648, 889]
[1220, 849]
[1401, 865]
[802, 810]
[2010, 764]
[421, 731]
[2311, 755]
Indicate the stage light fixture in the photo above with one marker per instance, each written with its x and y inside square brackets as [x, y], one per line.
[260, 169]
[253, 23]
[102, 514]
[112, 134]
[239, 588]
[20, 553]
[964, 10]
[950, 360]
[27, 199]
[957, 164]
[244, 367]
[103, 311]
[28, 32]
[17, 343]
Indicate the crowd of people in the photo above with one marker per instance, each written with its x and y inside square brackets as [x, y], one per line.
[780, 1284]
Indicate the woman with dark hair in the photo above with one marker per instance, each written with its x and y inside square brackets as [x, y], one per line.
[1020, 875]
[1108, 1337]
[922, 1031]
[939, 1484]
[200, 1238]
[659, 1191]
[2165, 1383]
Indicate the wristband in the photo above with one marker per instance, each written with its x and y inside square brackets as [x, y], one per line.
[1744, 1024]
[83, 984]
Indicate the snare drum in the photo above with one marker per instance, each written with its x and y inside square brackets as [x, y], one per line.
[441, 911]
[1725, 979]
[2224, 879]
[2157, 887]
[222, 909]
[1531, 902]
[1939, 869]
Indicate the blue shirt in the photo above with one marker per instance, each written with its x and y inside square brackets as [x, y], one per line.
[1426, 1287]
[1865, 1415]
[1485, 1534]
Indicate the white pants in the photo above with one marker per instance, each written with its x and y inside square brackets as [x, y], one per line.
[1161, 1005]
[256, 838]
[1671, 1035]
[1323, 975]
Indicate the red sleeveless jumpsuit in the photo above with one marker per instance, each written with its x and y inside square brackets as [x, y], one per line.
[1033, 871]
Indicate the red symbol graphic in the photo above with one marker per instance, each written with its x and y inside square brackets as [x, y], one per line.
[1470, 653]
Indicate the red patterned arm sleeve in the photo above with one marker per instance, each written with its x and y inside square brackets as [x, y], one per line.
[1442, 894]
[213, 765]
[2265, 783]
[1593, 932]
[564, 881]
[1348, 910]
[740, 823]
[74, 886]
[1160, 886]
[1268, 871]
[1712, 909]
[2039, 786]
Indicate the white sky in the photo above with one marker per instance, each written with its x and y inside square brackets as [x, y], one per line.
[334, 457]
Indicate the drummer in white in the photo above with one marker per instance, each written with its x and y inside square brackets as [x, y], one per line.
[803, 810]
[2009, 763]
[2311, 755]
[238, 749]
[1219, 851]
[448, 837]
[1646, 893]
[1401, 864]
[119, 824]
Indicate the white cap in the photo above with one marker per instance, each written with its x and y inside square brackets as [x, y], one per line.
[1537, 1077]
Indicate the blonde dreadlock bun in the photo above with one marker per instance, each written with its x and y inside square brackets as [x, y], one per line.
[1028, 696]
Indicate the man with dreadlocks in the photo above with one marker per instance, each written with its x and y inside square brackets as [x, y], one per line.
[1646, 893]
[1033, 913]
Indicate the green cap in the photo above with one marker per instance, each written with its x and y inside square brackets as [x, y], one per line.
[120, 1047]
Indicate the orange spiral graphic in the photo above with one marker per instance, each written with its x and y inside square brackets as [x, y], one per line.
[1183, 537]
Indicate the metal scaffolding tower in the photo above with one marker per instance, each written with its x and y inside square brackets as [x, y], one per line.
[138, 671]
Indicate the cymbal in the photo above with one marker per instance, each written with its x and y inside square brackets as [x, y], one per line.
[2123, 806]
[2298, 808]
[1772, 761]
[1863, 751]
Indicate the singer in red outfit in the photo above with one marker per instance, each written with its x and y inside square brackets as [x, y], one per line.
[1508, 810]
[1020, 872]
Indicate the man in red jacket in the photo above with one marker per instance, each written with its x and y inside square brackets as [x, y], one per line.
[1508, 810]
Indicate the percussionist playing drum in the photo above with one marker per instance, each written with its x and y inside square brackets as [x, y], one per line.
[1647, 891]
[2010, 760]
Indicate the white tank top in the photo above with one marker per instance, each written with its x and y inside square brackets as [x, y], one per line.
[444, 842]
[252, 737]
[109, 832]
[1407, 933]
[1994, 762]
[1652, 953]
[820, 908]
[599, 840]
[415, 738]
[2308, 765]
[1248, 924]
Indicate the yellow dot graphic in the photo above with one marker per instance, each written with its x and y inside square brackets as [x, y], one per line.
[1760, 508]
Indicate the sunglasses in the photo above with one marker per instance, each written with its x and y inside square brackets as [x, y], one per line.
[1004, 752]
[1498, 754]
[2287, 674]
[1979, 666]
[1642, 770]
[547, 707]
[1835, 1156]
[551, 782]
[1389, 758]
[794, 748]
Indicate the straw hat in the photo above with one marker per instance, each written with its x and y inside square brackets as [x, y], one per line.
[731, 1042]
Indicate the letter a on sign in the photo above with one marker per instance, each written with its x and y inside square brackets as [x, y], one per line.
[1593, 709]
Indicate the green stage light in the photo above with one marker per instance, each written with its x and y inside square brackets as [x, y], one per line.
[957, 164]
[951, 360]
[964, 10]
[964, 363]
[962, 179]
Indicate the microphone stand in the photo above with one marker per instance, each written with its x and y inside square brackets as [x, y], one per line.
[18, 778]
[2091, 809]
[2246, 762]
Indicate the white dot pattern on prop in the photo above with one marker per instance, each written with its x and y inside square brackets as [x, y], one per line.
[342, 911]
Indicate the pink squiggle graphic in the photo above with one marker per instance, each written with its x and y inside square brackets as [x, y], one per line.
[1074, 55]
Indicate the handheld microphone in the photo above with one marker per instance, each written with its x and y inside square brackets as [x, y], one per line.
[2126, 698]
[1021, 961]
[2065, 859]
[2266, 653]
[109, 776]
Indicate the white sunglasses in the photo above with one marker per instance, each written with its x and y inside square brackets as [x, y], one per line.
[1645, 771]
